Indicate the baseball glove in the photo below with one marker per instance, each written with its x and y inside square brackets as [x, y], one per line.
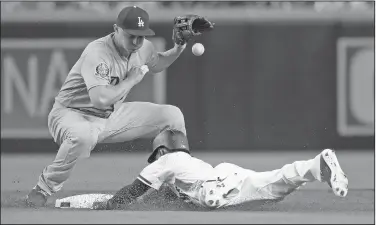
[185, 27]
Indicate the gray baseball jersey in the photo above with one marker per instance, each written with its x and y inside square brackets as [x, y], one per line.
[101, 64]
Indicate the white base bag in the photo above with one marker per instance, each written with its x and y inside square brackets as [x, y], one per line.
[84, 201]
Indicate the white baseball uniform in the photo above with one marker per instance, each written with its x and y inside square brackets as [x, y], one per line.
[77, 125]
[226, 184]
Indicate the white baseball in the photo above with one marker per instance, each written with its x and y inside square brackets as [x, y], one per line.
[198, 49]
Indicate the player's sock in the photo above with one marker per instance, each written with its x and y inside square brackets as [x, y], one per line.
[301, 172]
[43, 185]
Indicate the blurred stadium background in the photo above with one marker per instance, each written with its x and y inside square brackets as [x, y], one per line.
[275, 75]
[277, 82]
[106, 6]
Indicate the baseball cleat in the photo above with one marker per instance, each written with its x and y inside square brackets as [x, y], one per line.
[332, 173]
[36, 198]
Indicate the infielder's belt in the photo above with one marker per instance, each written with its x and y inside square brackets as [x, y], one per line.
[94, 112]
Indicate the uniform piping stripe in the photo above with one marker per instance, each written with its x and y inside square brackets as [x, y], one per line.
[143, 179]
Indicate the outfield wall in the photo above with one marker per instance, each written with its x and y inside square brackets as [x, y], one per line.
[266, 82]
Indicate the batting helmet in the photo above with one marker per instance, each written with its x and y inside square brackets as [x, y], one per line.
[173, 140]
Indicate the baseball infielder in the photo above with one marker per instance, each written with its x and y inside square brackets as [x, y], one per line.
[90, 107]
[226, 184]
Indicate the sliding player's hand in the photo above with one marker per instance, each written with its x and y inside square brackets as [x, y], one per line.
[102, 205]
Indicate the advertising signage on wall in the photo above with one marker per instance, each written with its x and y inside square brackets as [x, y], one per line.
[355, 86]
[32, 72]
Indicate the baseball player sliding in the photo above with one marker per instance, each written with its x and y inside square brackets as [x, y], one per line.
[226, 184]
[84, 114]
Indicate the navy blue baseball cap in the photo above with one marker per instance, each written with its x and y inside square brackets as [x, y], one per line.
[134, 21]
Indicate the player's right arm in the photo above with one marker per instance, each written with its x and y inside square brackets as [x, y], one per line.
[96, 71]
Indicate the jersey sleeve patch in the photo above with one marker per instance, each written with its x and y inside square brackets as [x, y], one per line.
[102, 71]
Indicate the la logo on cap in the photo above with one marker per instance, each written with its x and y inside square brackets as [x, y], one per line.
[140, 22]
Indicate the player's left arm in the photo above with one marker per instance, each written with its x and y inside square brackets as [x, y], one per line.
[185, 27]
[159, 61]
[151, 177]
[127, 195]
